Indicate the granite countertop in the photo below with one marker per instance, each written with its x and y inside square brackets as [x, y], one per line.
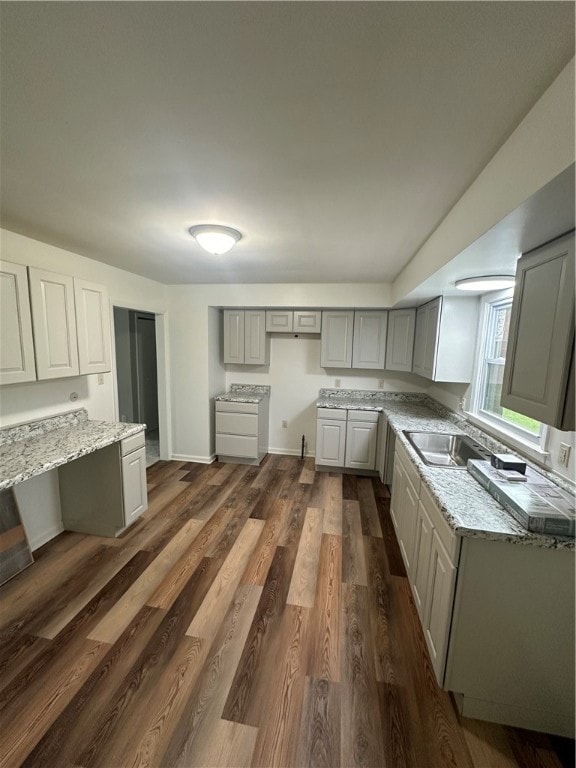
[245, 393]
[467, 507]
[30, 449]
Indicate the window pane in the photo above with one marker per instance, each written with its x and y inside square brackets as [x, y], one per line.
[499, 339]
[519, 420]
[493, 388]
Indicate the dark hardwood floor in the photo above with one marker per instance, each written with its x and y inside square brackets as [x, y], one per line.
[252, 617]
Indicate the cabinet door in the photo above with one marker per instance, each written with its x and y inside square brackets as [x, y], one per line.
[369, 345]
[93, 326]
[398, 485]
[400, 339]
[54, 323]
[432, 328]
[330, 442]
[421, 566]
[233, 335]
[256, 343]
[420, 333]
[439, 602]
[541, 337]
[381, 452]
[307, 321]
[361, 439]
[134, 490]
[407, 515]
[336, 343]
[279, 320]
[16, 343]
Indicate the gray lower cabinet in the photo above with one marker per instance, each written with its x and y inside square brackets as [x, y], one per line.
[497, 617]
[444, 341]
[539, 369]
[104, 492]
[241, 431]
[346, 438]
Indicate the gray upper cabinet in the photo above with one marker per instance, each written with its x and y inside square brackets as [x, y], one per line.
[369, 344]
[539, 370]
[279, 320]
[245, 340]
[336, 344]
[93, 325]
[307, 321]
[444, 341]
[400, 339]
[16, 343]
[293, 320]
[54, 323]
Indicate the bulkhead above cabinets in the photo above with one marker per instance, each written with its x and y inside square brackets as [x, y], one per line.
[52, 325]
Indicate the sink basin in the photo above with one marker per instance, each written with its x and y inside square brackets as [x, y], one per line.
[444, 450]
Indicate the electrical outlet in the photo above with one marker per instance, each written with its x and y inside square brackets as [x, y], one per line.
[100, 378]
[563, 454]
[337, 383]
[284, 424]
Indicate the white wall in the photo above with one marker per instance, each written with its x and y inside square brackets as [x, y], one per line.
[216, 370]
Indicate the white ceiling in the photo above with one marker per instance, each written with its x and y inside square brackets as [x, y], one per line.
[335, 136]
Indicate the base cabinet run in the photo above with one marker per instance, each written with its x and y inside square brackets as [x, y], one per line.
[242, 431]
[497, 616]
[105, 492]
[346, 438]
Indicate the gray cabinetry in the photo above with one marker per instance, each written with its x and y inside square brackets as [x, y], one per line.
[242, 431]
[17, 362]
[279, 320]
[93, 327]
[307, 321]
[330, 437]
[104, 492]
[361, 439]
[539, 370]
[293, 320]
[444, 341]
[245, 339]
[400, 339]
[369, 343]
[336, 343]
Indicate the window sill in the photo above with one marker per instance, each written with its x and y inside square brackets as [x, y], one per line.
[526, 448]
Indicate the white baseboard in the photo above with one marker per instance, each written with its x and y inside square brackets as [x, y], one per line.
[45, 536]
[288, 452]
[197, 459]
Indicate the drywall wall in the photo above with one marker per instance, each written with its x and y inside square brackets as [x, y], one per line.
[216, 370]
[540, 148]
[295, 377]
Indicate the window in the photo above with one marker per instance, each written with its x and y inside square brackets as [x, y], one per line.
[487, 388]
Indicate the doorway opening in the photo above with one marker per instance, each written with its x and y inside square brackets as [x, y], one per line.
[137, 373]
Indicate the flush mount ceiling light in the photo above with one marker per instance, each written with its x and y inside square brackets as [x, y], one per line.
[214, 238]
[485, 283]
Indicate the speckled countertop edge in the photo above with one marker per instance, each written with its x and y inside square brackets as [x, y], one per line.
[55, 441]
[468, 508]
[245, 393]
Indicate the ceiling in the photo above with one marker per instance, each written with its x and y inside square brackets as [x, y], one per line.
[335, 136]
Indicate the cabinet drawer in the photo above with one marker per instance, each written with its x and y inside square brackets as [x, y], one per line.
[334, 414]
[371, 416]
[132, 443]
[408, 465]
[232, 407]
[236, 424]
[448, 538]
[237, 445]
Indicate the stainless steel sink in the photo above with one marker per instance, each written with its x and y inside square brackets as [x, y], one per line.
[444, 450]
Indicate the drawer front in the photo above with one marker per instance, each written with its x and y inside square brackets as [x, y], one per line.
[132, 443]
[449, 540]
[334, 414]
[228, 407]
[236, 424]
[408, 465]
[237, 445]
[371, 416]
[307, 322]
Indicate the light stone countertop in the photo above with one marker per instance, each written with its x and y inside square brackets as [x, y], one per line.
[245, 393]
[469, 509]
[30, 449]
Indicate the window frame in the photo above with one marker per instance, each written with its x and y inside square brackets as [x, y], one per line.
[491, 422]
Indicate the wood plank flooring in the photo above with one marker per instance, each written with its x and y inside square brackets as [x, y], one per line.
[251, 617]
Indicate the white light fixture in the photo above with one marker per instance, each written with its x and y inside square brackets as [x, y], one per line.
[485, 283]
[214, 238]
